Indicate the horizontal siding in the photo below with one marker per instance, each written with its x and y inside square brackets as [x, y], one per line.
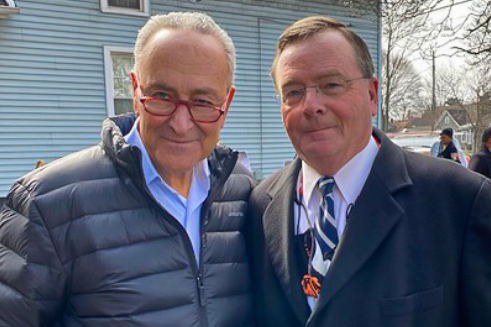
[276, 145]
[52, 90]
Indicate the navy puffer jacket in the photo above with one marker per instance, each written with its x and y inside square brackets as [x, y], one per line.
[83, 243]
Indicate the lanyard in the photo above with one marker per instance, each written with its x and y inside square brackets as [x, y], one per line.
[310, 284]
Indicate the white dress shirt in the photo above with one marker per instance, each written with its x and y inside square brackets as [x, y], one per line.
[349, 181]
[185, 210]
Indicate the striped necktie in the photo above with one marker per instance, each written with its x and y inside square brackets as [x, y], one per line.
[325, 225]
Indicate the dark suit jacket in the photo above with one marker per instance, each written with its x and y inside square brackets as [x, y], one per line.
[416, 251]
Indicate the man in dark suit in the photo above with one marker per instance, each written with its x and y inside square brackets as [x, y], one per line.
[356, 232]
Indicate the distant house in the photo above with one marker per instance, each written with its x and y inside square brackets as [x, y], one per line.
[461, 118]
[65, 67]
[422, 124]
[397, 125]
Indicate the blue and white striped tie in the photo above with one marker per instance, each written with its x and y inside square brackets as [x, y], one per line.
[325, 225]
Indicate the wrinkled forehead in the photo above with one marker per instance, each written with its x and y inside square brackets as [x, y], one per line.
[329, 33]
[175, 57]
[326, 54]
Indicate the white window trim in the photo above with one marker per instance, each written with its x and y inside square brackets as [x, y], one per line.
[127, 11]
[108, 74]
[7, 12]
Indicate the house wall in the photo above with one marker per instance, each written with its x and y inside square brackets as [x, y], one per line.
[52, 85]
[446, 121]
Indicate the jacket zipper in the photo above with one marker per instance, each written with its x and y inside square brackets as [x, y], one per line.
[201, 292]
[205, 215]
[187, 242]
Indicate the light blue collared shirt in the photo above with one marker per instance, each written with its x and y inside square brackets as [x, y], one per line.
[186, 211]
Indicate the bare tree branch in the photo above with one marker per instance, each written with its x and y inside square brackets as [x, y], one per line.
[476, 37]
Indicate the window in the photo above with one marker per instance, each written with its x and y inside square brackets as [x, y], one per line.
[126, 7]
[8, 9]
[447, 120]
[132, 4]
[118, 63]
[464, 137]
[8, 3]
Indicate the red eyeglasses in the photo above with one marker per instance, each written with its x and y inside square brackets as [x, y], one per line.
[202, 113]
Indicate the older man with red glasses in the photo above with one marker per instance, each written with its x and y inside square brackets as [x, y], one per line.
[145, 229]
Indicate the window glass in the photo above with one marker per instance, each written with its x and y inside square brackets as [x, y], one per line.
[122, 65]
[133, 4]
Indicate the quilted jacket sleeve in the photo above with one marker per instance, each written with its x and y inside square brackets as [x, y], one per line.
[32, 279]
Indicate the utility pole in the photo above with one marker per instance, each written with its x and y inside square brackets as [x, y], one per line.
[433, 95]
[475, 143]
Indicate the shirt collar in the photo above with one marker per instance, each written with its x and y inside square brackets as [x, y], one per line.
[133, 138]
[201, 171]
[310, 177]
[349, 180]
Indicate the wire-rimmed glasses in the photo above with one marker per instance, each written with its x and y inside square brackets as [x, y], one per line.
[293, 95]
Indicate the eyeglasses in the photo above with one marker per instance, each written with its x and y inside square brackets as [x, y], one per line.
[201, 113]
[293, 95]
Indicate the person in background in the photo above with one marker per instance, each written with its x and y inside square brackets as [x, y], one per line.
[437, 147]
[356, 231]
[481, 161]
[145, 229]
[447, 148]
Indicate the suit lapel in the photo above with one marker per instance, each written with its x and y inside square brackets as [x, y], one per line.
[279, 232]
[374, 215]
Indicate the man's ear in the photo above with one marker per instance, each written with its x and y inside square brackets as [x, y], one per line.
[230, 97]
[136, 92]
[373, 92]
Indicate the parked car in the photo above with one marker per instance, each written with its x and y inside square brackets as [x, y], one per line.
[415, 142]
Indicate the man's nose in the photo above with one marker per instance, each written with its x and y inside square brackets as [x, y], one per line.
[314, 101]
[181, 121]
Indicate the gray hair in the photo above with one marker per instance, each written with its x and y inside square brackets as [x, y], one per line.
[193, 21]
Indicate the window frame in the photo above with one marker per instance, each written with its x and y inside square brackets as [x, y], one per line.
[109, 74]
[7, 11]
[145, 9]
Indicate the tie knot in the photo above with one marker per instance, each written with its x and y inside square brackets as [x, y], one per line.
[325, 185]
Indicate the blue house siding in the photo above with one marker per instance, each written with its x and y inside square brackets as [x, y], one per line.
[52, 85]
[52, 88]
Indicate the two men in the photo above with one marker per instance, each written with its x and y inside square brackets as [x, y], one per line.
[357, 232]
[147, 228]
